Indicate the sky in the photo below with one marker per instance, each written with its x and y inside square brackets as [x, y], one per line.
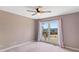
[53, 24]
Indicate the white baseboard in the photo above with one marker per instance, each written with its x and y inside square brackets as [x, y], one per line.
[14, 46]
[74, 49]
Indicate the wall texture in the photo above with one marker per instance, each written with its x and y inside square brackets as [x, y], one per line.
[15, 29]
[71, 30]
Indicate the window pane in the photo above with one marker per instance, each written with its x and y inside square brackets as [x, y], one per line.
[54, 31]
[45, 31]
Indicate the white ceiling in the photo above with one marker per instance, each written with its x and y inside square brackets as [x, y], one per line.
[56, 10]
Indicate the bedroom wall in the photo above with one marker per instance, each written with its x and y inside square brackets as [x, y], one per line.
[36, 30]
[15, 29]
[71, 30]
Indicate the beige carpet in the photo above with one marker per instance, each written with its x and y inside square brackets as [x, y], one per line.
[38, 47]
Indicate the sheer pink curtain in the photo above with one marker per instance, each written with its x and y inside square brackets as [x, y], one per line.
[61, 32]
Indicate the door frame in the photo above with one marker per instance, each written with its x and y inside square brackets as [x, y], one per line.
[60, 32]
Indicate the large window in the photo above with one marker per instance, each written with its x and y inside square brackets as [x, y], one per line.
[49, 31]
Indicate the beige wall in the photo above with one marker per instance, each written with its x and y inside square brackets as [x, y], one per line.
[71, 30]
[36, 30]
[15, 29]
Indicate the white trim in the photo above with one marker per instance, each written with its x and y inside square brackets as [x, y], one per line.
[59, 38]
[75, 49]
[14, 46]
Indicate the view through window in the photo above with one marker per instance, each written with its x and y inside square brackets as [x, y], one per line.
[50, 31]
